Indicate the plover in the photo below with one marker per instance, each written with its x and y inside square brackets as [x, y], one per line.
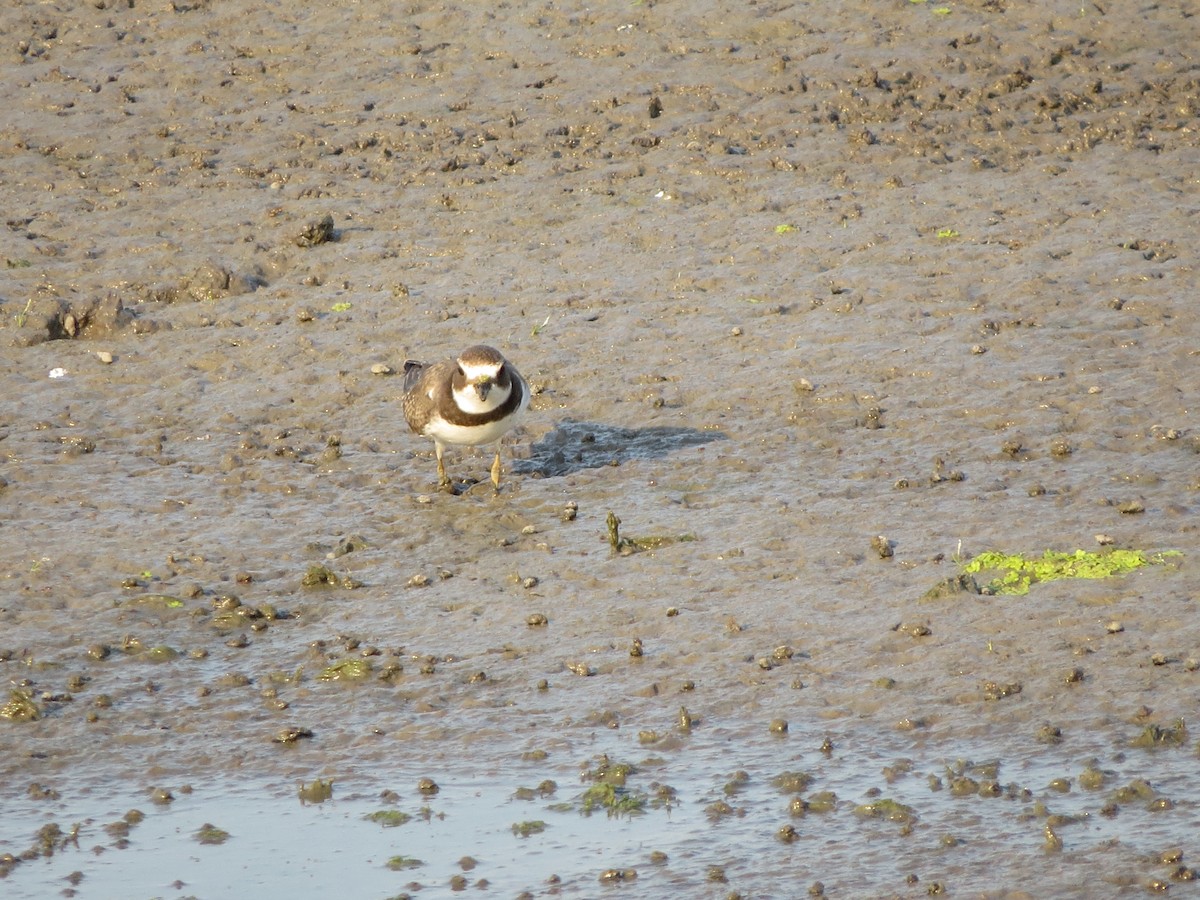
[472, 400]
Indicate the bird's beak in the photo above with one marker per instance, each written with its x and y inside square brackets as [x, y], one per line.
[482, 386]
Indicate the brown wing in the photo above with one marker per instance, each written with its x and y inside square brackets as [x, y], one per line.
[419, 379]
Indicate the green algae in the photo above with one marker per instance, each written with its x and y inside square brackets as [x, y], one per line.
[821, 802]
[20, 707]
[388, 818]
[1092, 778]
[613, 800]
[159, 602]
[1138, 789]
[888, 810]
[790, 782]
[353, 669]
[627, 545]
[319, 576]
[606, 770]
[525, 829]
[211, 834]
[400, 863]
[1015, 573]
[317, 792]
[1154, 736]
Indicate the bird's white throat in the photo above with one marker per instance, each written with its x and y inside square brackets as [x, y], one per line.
[468, 400]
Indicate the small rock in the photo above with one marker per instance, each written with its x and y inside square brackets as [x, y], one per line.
[1060, 448]
[317, 232]
[161, 796]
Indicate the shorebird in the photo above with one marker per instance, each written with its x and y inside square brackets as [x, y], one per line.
[473, 399]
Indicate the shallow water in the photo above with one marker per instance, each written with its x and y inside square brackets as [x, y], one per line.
[279, 845]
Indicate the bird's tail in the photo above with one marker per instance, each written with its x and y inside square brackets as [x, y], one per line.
[412, 372]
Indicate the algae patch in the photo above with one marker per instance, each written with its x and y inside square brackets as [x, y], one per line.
[628, 545]
[211, 834]
[317, 792]
[525, 829]
[616, 801]
[400, 863]
[353, 669]
[21, 707]
[1015, 573]
[1154, 736]
[888, 810]
[388, 818]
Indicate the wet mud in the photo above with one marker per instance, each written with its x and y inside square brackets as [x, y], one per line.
[818, 301]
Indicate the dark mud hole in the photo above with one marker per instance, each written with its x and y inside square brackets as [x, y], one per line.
[785, 278]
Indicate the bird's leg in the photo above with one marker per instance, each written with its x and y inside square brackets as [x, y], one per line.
[443, 481]
[496, 469]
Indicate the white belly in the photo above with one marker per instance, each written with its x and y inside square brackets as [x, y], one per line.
[441, 430]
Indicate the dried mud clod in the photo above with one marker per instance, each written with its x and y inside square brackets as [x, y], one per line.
[51, 318]
[953, 586]
[317, 232]
[1155, 736]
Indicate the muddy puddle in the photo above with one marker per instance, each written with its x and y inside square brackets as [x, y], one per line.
[849, 819]
[818, 303]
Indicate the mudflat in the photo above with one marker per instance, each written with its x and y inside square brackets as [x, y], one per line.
[817, 303]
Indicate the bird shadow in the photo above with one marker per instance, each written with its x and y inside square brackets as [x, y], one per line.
[573, 446]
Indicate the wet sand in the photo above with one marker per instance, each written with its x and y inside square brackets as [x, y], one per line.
[785, 278]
